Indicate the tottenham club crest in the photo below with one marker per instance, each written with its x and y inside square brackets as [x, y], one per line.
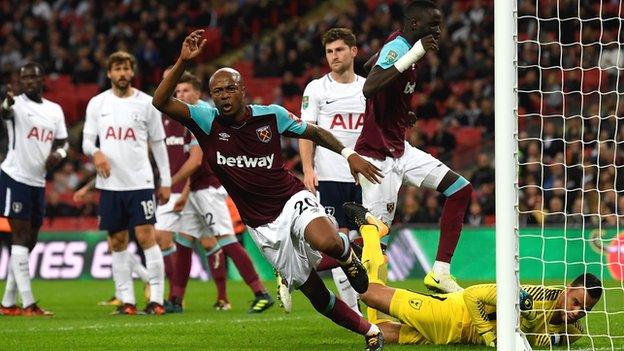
[264, 134]
[17, 207]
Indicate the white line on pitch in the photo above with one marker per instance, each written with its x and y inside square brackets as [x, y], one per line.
[149, 324]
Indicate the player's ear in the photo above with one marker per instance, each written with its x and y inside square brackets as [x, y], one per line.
[354, 51]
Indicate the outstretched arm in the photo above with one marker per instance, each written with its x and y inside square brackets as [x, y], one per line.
[163, 98]
[379, 77]
[357, 164]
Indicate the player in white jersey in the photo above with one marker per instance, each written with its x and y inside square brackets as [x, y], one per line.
[124, 121]
[334, 102]
[37, 140]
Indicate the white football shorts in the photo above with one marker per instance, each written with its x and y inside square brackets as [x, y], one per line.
[283, 243]
[206, 213]
[414, 167]
[167, 219]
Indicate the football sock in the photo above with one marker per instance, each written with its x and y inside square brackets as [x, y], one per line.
[372, 257]
[340, 313]
[441, 268]
[10, 290]
[218, 271]
[452, 218]
[137, 267]
[346, 255]
[122, 276]
[326, 263]
[156, 273]
[168, 258]
[182, 271]
[19, 265]
[347, 294]
[245, 267]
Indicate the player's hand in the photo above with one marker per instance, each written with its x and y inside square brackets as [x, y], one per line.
[359, 165]
[193, 45]
[10, 96]
[412, 118]
[310, 180]
[81, 194]
[101, 164]
[429, 43]
[489, 339]
[53, 159]
[180, 203]
[163, 194]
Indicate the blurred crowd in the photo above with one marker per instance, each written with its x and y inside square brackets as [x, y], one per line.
[570, 114]
[568, 157]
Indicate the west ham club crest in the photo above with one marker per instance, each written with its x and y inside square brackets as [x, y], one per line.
[264, 134]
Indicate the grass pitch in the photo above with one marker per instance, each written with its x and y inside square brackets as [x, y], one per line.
[79, 324]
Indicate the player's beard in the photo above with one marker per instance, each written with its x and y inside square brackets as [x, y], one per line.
[122, 85]
[341, 68]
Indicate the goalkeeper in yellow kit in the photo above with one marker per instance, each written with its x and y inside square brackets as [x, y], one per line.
[466, 317]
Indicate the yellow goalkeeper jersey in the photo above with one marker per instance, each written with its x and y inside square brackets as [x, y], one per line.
[462, 317]
[536, 324]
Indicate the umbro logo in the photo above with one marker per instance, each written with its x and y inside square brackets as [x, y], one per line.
[105, 114]
[224, 136]
[330, 101]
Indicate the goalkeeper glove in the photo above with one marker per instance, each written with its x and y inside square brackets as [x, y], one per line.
[489, 338]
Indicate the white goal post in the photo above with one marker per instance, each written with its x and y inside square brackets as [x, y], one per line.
[505, 78]
[559, 160]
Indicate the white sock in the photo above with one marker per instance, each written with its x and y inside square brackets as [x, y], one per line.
[156, 273]
[137, 267]
[10, 290]
[347, 294]
[19, 265]
[440, 267]
[124, 288]
[374, 329]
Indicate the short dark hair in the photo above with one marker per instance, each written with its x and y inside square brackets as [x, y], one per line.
[416, 7]
[344, 34]
[33, 64]
[591, 283]
[120, 57]
[193, 80]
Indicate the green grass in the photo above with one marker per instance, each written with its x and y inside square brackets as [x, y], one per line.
[80, 324]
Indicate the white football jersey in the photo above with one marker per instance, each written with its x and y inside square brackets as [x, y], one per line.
[31, 132]
[124, 126]
[338, 108]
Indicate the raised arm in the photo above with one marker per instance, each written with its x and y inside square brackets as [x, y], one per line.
[389, 66]
[163, 98]
[6, 110]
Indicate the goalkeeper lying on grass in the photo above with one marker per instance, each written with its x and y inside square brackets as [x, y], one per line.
[467, 317]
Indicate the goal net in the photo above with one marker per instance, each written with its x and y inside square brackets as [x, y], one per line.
[567, 105]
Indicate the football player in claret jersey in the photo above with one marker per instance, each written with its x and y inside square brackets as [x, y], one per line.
[183, 161]
[334, 102]
[205, 217]
[388, 90]
[124, 121]
[242, 145]
[550, 315]
[37, 141]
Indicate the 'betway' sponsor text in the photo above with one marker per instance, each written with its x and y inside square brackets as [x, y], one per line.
[246, 161]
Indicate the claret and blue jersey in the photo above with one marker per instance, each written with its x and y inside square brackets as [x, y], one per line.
[247, 157]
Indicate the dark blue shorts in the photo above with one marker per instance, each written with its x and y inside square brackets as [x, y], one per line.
[21, 201]
[122, 210]
[334, 194]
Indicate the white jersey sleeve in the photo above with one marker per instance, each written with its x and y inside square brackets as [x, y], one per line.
[338, 108]
[123, 127]
[155, 129]
[310, 103]
[32, 131]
